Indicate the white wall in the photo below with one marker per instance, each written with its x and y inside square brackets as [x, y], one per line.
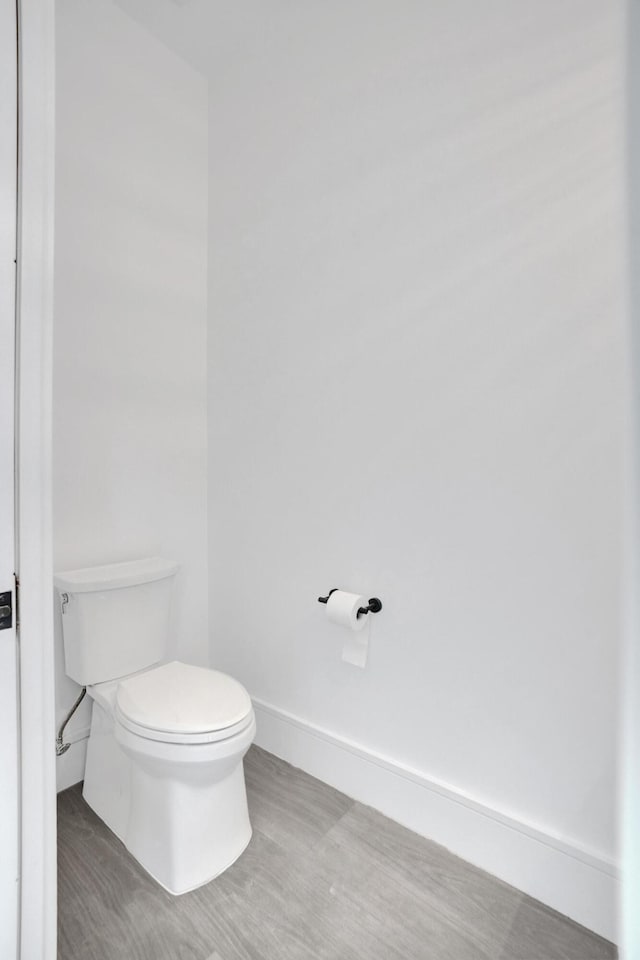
[416, 384]
[129, 410]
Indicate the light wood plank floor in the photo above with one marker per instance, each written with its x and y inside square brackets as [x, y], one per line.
[323, 877]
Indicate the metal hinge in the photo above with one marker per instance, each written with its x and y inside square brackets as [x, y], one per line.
[6, 610]
[7, 607]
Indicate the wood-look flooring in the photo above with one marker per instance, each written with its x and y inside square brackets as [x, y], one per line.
[323, 877]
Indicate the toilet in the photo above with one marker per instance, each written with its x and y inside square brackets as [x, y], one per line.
[164, 764]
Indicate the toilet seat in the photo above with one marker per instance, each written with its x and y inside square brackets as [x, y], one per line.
[167, 736]
[178, 703]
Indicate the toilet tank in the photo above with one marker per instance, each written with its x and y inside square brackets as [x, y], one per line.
[115, 618]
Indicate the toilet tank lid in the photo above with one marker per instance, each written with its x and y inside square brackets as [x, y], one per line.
[110, 576]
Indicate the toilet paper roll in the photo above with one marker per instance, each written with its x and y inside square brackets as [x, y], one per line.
[342, 608]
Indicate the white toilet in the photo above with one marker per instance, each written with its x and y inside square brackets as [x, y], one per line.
[164, 759]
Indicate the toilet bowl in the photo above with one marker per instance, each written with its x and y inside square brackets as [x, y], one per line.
[172, 791]
[164, 766]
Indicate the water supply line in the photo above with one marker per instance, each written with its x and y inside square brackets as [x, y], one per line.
[61, 746]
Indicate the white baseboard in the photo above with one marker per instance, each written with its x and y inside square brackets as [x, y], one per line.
[70, 766]
[576, 882]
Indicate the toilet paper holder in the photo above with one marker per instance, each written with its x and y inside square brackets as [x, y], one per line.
[375, 605]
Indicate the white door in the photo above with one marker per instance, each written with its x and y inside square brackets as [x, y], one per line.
[8, 653]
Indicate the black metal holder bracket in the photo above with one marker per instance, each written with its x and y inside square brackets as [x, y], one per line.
[375, 605]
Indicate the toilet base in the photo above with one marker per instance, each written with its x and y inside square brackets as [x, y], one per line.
[107, 774]
[181, 810]
[179, 893]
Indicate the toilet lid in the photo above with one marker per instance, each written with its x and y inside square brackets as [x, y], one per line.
[179, 698]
